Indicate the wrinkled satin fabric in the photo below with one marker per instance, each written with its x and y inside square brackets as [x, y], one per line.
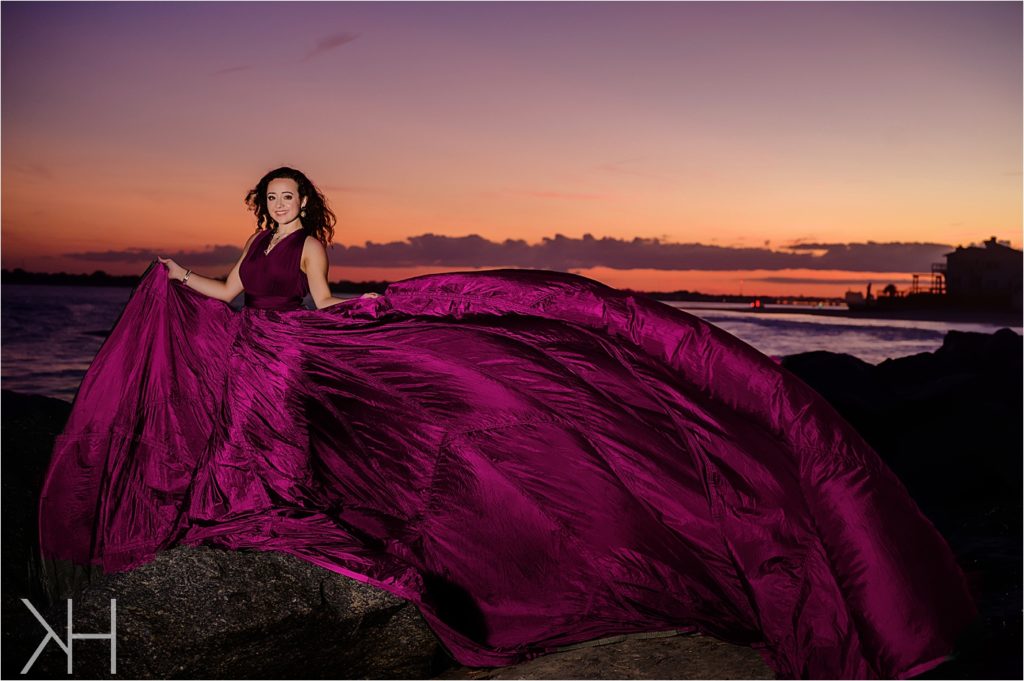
[531, 457]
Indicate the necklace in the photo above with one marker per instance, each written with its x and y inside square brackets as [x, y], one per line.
[274, 241]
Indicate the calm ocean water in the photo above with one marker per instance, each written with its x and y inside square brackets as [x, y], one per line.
[50, 334]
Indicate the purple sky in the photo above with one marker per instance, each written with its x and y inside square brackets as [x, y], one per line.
[726, 131]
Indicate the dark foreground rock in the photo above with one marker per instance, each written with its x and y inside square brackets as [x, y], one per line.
[29, 425]
[198, 612]
[680, 656]
[947, 422]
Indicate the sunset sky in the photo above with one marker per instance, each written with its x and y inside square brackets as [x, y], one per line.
[773, 148]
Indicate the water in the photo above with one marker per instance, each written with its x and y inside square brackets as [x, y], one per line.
[50, 334]
[787, 333]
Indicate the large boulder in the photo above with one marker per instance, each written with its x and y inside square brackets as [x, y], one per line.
[947, 422]
[200, 612]
[30, 424]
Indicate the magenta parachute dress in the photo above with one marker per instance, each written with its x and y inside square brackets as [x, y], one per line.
[531, 457]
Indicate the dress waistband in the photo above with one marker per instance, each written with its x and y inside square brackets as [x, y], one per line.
[275, 303]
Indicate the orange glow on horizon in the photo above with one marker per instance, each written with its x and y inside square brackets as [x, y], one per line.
[740, 282]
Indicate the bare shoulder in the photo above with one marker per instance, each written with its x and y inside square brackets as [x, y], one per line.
[313, 247]
[312, 251]
[312, 244]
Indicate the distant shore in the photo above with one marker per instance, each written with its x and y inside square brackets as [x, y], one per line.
[959, 315]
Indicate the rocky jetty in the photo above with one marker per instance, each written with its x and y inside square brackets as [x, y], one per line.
[948, 422]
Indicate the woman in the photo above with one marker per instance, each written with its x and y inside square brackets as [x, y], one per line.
[280, 213]
[533, 458]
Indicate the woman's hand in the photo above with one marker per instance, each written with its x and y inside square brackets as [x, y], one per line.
[174, 270]
[371, 294]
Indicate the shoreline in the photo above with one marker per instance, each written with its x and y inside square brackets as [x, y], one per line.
[1005, 319]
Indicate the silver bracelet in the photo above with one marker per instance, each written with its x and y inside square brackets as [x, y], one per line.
[185, 278]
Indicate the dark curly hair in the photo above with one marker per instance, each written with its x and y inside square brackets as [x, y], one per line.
[319, 220]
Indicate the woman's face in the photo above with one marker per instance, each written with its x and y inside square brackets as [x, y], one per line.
[283, 200]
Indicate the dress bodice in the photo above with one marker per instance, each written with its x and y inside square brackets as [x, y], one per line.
[275, 280]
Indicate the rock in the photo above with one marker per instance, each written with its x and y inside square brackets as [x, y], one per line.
[847, 382]
[30, 424]
[948, 423]
[680, 656]
[200, 612]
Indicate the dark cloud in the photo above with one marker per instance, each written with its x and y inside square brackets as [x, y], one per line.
[881, 257]
[329, 43]
[217, 255]
[561, 252]
[564, 253]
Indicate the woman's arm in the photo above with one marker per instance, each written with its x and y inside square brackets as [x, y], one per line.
[314, 264]
[214, 288]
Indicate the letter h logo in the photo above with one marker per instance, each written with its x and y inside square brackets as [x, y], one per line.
[67, 647]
